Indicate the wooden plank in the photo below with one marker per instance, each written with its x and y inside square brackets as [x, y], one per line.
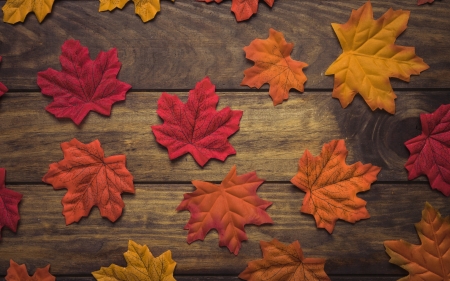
[150, 218]
[189, 40]
[270, 141]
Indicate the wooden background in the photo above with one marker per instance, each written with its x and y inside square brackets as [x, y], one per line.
[187, 41]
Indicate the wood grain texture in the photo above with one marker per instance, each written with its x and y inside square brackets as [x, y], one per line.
[190, 39]
[150, 218]
[270, 141]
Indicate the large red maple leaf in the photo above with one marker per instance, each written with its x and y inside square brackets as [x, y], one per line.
[18, 272]
[91, 180]
[430, 152]
[196, 127]
[9, 205]
[227, 207]
[243, 9]
[3, 88]
[83, 84]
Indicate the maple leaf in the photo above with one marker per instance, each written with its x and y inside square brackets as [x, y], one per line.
[16, 10]
[146, 9]
[331, 185]
[283, 263]
[429, 152]
[9, 205]
[227, 207]
[274, 65]
[243, 9]
[421, 2]
[19, 273]
[82, 85]
[430, 260]
[370, 57]
[196, 127]
[91, 180]
[3, 88]
[141, 265]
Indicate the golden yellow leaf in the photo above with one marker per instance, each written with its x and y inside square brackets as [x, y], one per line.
[370, 57]
[141, 265]
[16, 10]
[146, 9]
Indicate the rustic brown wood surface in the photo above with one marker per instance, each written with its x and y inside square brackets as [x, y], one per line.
[187, 41]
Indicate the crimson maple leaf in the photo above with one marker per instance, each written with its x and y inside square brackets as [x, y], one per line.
[430, 152]
[9, 205]
[91, 180]
[243, 9]
[83, 84]
[196, 127]
[3, 88]
[227, 207]
[19, 273]
[421, 2]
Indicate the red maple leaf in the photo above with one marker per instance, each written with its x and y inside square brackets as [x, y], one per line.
[430, 152]
[83, 84]
[19, 273]
[421, 2]
[91, 180]
[227, 207]
[9, 205]
[243, 9]
[3, 88]
[196, 127]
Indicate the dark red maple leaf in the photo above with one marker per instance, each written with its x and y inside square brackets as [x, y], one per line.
[196, 127]
[91, 180]
[430, 152]
[83, 84]
[3, 88]
[243, 9]
[421, 2]
[9, 205]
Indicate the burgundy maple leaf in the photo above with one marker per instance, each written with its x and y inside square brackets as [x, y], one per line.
[196, 127]
[9, 205]
[430, 152]
[83, 84]
[3, 88]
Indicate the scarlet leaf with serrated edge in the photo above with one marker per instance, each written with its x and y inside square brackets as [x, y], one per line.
[421, 2]
[83, 84]
[243, 9]
[17, 10]
[19, 273]
[141, 265]
[431, 260]
[430, 152]
[283, 263]
[227, 207]
[331, 185]
[3, 88]
[146, 9]
[196, 127]
[370, 57]
[274, 65]
[9, 205]
[91, 180]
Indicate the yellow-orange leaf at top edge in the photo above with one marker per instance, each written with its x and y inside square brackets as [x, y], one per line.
[273, 65]
[370, 57]
[17, 10]
[146, 9]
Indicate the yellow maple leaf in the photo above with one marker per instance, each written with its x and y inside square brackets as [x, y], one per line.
[141, 265]
[146, 9]
[16, 10]
[370, 57]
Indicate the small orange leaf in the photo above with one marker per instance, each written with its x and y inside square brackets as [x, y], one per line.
[19, 273]
[281, 262]
[331, 185]
[370, 57]
[430, 260]
[273, 65]
[141, 265]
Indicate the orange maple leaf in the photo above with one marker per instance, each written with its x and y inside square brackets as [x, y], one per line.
[430, 260]
[19, 273]
[370, 57]
[281, 262]
[331, 185]
[141, 265]
[273, 65]
[91, 180]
